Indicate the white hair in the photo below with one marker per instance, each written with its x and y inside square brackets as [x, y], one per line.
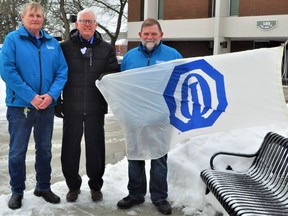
[85, 11]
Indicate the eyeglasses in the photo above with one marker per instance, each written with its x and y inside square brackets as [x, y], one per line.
[86, 21]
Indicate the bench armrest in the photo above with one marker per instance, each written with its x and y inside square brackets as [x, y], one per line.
[229, 154]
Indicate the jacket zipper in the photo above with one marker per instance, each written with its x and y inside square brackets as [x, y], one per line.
[40, 64]
[84, 86]
[148, 63]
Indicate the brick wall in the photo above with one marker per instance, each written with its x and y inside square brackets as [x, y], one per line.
[186, 9]
[135, 10]
[262, 7]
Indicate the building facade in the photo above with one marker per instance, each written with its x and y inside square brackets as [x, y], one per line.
[211, 27]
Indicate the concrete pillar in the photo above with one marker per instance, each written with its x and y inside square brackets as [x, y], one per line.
[221, 44]
[150, 9]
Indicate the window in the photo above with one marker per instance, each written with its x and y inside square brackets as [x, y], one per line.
[260, 44]
[212, 8]
[234, 7]
[160, 9]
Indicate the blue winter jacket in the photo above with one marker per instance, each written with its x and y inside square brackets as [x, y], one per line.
[137, 57]
[29, 69]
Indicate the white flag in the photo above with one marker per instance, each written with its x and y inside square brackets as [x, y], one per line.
[164, 104]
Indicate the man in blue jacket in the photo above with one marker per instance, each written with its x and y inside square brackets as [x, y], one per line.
[151, 51]
[35, 72]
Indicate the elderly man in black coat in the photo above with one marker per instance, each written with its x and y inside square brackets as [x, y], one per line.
[84, 107]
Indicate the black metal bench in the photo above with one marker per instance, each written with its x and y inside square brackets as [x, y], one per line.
[262, 189]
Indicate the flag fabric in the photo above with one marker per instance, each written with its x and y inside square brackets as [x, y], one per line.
[164, 104]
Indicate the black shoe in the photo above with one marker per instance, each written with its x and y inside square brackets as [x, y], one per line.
[128, 202]
[72, 195]
[163, 207]
[15, 201]
[96, 195]
[49, 196]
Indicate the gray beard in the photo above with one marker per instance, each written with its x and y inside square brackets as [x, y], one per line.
[149, 46]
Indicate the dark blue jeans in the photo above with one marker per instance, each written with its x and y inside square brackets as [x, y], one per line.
[20, 127]
[137, 184]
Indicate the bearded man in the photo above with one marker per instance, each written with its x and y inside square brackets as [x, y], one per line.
[151, 51]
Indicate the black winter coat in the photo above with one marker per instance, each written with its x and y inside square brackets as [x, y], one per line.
[80, 94]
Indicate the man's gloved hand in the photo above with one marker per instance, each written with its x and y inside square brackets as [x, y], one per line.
[59, 108]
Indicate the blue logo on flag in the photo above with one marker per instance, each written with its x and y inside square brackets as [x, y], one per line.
[195, 95]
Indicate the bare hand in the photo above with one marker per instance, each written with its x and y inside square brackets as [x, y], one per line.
[37, 100]
[46, 101]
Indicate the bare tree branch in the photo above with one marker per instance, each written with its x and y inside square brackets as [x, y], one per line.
[58, 12]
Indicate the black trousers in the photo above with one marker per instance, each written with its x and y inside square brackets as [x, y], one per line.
[93, 128]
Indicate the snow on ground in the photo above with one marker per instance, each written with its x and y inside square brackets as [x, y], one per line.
[186, 189]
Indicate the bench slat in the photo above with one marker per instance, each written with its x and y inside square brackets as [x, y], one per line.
[262, 189]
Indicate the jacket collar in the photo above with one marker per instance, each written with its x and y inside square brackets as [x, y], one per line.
[24, 33]
[75, 36]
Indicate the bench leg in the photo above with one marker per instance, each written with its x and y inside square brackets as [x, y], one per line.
[207, 191]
